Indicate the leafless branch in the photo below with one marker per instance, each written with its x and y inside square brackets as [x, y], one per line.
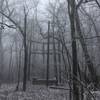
[16, 24]
[79, 4]
[10, 26]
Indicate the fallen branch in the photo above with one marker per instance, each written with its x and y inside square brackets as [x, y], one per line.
[56, 87]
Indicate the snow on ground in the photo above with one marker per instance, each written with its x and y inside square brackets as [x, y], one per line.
[33, 92]
[38, 92]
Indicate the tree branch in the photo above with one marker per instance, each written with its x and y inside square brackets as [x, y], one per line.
[79, 4]
[17, 26]
[10, 26]
[97, 3]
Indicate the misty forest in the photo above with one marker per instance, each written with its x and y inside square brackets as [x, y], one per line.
[49, 49]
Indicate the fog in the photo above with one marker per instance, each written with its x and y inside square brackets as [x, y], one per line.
[49, 49]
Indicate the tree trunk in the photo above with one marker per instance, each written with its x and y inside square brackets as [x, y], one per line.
[19, 68]
[71, 6]
[25, 54]
[84, 47]
[54, 57]
[48, 44]
[29, 58]
[1, 45]
[59, 59]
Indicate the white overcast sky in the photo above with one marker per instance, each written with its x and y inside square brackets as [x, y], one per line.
[16, 3]
[30, 3]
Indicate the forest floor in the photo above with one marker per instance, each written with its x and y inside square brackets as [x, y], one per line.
[33, 92]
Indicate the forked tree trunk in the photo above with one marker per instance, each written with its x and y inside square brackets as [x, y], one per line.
[84, 47]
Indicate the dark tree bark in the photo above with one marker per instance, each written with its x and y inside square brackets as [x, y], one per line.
[43, 53]
[19, 68]
[10, 63]
[59, 59]
[29, 58]
[25, 53]
[71, 9]
[54, 56]
[48, 44]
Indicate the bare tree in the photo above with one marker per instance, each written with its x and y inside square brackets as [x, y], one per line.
[72, 11]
